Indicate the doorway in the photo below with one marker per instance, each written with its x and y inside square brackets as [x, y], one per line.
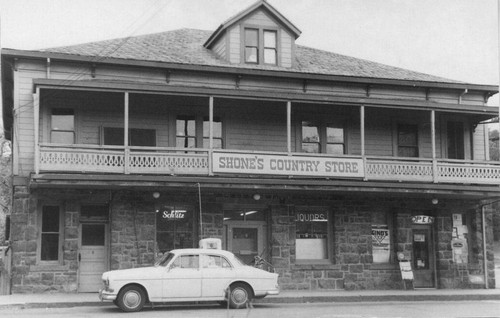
[92, 256]
[245, 232]
[423, 258]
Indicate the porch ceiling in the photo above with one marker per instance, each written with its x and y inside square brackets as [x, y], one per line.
[142, 182]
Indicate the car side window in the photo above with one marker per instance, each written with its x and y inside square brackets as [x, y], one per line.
[215, 261]
[187, 261]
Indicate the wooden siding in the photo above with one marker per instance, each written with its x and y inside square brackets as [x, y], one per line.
[261, 19]
[219, 47]
[234, 44]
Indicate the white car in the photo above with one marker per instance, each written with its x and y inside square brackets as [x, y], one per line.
[189, 275]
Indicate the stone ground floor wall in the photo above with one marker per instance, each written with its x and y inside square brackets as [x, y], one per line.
[350, 265]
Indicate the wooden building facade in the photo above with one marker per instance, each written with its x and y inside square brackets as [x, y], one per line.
[331, 168]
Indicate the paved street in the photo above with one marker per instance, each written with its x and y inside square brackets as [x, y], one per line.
[455, 309]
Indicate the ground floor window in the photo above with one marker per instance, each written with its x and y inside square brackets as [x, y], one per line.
[382, 229]
[311, 234]
[175, 227]
[50, 235]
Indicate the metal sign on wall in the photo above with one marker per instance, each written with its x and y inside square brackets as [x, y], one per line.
[287, 165]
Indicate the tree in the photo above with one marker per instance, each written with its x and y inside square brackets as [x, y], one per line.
[5, 184]
[494, 149]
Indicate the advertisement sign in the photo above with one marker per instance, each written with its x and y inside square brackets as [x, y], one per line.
[287, 165]
[381, 244]
[422, 219]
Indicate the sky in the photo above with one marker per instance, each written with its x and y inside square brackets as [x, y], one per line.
[455, 39]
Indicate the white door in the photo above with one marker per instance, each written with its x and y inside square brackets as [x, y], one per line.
[92, 257]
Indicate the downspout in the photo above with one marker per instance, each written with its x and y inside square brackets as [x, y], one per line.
[485, 257]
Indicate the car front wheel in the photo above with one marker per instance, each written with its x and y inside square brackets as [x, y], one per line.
[239, 296]
[131, 298]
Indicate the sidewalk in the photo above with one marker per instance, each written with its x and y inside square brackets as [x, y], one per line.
[56, 300]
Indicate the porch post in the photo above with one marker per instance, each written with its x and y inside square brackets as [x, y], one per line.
[210, 134]
[36, 118]
[125, 133]
[433, 140]
[362, 133]
[289, 127]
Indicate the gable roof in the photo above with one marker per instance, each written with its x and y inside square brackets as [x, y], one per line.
[260, 4]
[185, 46]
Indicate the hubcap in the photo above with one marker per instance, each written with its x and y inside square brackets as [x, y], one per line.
[132, 299]
[239, 296]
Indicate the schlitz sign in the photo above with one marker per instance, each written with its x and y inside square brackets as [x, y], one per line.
[286, 165]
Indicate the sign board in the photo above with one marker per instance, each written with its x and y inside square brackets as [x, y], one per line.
[406, 271]
[287, 165]
[422, 219]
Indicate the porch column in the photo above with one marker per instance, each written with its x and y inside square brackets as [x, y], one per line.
[362, 134]
[433, 140]
[125, 133]
[289, 127]
[36, 119]
[210, 134]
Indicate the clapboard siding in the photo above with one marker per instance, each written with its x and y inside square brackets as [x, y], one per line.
[219, 48]
[261, 19]
[479, 143]
[234, 44]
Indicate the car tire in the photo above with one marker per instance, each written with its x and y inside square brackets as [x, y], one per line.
[239, 296]
[131, 299]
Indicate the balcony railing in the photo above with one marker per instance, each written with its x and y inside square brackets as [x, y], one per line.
[178, 161]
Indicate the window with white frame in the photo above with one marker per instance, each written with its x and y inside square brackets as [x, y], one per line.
[323, 138]
[62, 126]
[260, 46]
[312, 234]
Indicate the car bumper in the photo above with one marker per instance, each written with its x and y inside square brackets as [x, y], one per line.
[106, 296]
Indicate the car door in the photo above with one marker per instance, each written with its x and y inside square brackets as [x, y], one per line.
[217, 273]
[183, 278]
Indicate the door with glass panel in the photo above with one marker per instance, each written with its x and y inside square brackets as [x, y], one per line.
[423, 261]
[92, 256]
[245, 233]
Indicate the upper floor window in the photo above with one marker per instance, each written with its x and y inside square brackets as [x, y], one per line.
[455, 139]
[261, 46]
[62, 126]
[186, 132]
[407, 140]
[323, 138]
[217, 133]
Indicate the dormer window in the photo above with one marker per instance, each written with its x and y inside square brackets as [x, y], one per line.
[261, 46]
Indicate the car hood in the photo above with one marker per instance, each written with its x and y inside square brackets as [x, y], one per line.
[134, 273]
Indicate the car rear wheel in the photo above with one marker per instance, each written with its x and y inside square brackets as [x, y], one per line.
[239, 296]
[131, 298]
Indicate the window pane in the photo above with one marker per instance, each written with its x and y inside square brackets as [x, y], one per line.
[251, 55]
[113, 136]
[142, 137]
[50, 219]
[334, 134]
[62, 137]
[217, 127]
[310, 148]
[186, 126]
[335, 149]
[407, 135]
[251, 37]
[310, 132]
[50, 247]
[311, 234]
[407, 152]
[270, 39]
[93, 234]
[185, 142]
[270, 56]
[63, 119]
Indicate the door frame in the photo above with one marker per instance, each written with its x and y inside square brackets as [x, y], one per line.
[432, 253]
[262, 234]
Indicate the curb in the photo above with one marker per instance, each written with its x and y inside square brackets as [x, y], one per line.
[288, 300]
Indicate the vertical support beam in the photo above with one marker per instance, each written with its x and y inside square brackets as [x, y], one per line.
[433, 142]
[36, 127]
[485, 250]
[289, 127]
[48, 67]
[17, 117]
[362, 134]
[125, 132]
[210, 136]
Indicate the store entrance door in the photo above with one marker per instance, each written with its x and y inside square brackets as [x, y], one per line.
[423, 257]
[246, 239]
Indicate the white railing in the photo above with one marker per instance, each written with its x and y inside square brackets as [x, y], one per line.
[178, 161]
[116, 159]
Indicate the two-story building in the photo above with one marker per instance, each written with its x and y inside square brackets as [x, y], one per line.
[332, 168]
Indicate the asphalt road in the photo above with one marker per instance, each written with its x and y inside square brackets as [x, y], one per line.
[455, 309]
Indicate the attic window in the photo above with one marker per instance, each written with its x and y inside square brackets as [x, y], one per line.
[261, 46]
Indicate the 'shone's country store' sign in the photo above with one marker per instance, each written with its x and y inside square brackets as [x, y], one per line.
[286, 165]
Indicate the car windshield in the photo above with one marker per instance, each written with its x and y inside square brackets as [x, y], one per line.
[164, 260]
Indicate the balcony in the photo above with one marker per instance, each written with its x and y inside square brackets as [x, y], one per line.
[176, 161]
